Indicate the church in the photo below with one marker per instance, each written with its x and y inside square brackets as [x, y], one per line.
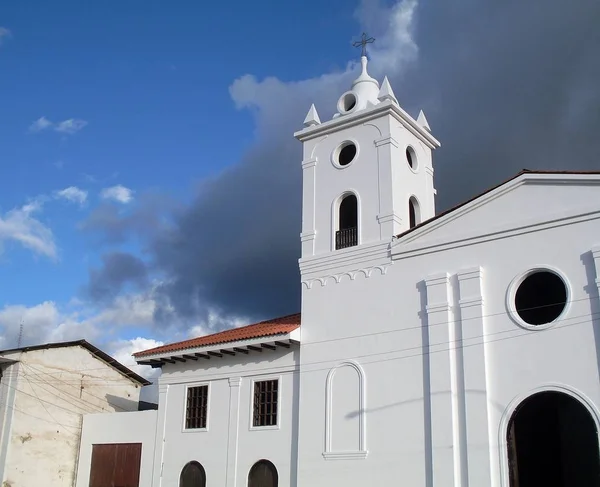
[432, 349]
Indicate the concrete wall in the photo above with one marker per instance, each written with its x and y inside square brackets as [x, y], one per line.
[54, 388]
[131, 427]
[229, 446]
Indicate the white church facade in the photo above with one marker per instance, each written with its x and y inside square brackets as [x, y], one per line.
[436, 350]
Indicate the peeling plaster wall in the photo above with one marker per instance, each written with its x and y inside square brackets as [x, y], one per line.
[55, 388]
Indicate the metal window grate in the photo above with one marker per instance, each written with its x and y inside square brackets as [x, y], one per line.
[265, 402]
[196, 408]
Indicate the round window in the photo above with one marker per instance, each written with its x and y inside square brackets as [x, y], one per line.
[411, 158]
[346, 153]
[541, 298]
[347, 102]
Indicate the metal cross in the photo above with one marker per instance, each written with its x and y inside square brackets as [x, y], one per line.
[363, 42]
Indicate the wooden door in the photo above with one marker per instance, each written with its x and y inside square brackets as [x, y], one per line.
[116, 465]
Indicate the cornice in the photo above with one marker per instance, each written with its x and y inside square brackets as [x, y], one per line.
[370, 113]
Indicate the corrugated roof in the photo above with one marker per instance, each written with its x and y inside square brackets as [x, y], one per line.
[276, 326]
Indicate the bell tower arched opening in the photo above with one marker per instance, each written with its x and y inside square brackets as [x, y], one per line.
[552, 441]
[347, 231]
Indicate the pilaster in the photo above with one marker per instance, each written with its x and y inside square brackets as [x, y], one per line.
[308, 202]
[476, 403]
[233, 434]
[160, 435]
[389, 223]
[441, 390]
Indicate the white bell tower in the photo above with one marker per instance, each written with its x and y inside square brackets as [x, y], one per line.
[367, 172]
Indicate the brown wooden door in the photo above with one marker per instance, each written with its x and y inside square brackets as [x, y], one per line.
[116, 465]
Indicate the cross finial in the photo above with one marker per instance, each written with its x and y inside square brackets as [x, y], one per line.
[363, 42]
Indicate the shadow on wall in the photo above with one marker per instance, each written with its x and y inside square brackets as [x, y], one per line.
[121, 403]
[591, 288]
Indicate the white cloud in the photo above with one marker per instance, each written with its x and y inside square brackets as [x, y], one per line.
[117, 193]
[69, 126]
[40, 124]
[42, 323]
[128, 310]
[20, 226]
[4, 34]
[393, 50]
[73, 194]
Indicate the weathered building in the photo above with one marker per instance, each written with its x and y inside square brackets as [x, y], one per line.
[44, 392]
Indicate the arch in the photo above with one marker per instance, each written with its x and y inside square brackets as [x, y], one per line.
[362, 440]
[192, 475]
[263, 474]
[346, 218]
[550, 437]
[414, 212]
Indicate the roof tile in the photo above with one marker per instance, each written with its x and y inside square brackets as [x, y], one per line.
[277, 326]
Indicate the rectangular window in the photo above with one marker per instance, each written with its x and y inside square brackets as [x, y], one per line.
[196, 407]
[265, 403]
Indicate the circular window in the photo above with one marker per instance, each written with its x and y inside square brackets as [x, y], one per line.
[345, 153]
[541, 297]
[347, 102]
[411, 158]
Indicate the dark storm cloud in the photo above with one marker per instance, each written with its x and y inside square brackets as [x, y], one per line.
[118, 270]
[115, 224]
[505, 85]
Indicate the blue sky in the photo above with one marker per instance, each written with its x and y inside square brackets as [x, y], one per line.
[149, 179]
[103, 103]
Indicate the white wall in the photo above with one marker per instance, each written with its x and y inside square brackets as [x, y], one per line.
[435, 412]
[55, 387]
[229, 446]
[130, 427]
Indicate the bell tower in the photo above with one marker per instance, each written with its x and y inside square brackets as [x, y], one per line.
[367, 172]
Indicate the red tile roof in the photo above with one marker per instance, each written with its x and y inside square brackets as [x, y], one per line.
[277, 326]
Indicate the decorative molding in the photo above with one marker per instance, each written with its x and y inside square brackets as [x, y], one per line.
[306, 163]
[345, 455]
[387, 139]
[235, 381]
[389, 218]
[366, 124]
[360, 117]
[362, 452]
[351, 275]
[596, 257]
[508, 412]
[306, 236]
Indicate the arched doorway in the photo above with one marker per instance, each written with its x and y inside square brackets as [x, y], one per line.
[347, 232]
[263, 474]
[552, 442]
[192, 475]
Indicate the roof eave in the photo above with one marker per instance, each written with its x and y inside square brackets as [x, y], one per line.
[220, 350]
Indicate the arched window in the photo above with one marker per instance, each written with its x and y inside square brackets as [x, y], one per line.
[192, 475]
[263, 474]
[414, 212]
[347, 233]
[552, 440]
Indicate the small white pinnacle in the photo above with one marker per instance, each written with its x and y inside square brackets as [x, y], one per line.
[312, 117]
[386, 92]
[422, 121]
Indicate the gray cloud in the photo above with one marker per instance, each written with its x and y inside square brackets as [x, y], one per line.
[504, 85]
[118, 270]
